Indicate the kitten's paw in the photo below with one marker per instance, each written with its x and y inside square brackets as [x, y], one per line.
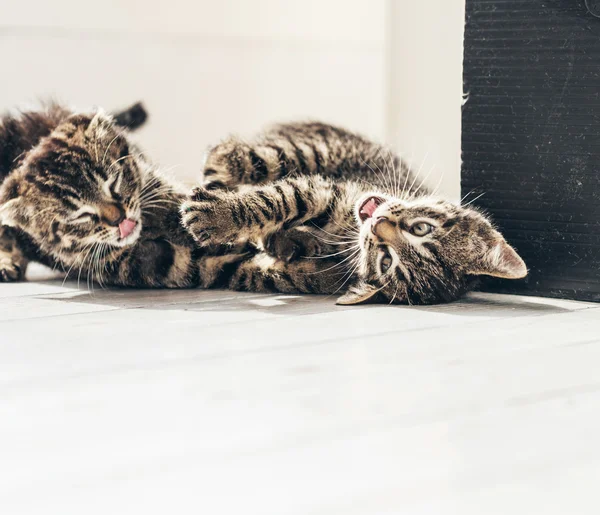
[10, 271]
[233, 163]
[212, 183]
[207, 216]
[224, 165]
[292, 244]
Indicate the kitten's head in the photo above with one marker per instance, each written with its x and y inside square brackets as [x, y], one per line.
[425, 251]
[79, 187]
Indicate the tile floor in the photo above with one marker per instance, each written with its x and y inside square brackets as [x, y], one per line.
[206, 402]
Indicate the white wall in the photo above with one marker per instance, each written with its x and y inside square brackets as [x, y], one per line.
[425, 58]
[204, 68]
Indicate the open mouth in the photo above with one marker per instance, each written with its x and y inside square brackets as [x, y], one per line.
[368, 207]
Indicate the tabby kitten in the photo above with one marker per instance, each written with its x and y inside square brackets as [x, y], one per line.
[324, 193]
[18, 135]
[78, 195]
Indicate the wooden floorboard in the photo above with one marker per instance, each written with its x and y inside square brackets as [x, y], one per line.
[123, 401]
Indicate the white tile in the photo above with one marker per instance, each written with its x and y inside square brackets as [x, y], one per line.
[219, 402]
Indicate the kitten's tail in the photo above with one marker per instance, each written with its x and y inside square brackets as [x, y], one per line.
[133, 117]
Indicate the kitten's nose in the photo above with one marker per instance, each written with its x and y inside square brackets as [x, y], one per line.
[379, 220]
[112, 214]
[383, 228]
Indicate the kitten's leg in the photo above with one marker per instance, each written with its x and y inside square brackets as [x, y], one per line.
[219, 217]
[13, 262]
[234, 162]
[275, 155]
[302, 149]
[162, 264]
[266, 274]
[153, 264]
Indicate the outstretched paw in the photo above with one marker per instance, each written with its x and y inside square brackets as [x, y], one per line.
[10, 271]
[292, 244]
[207, 216]
[225, 165]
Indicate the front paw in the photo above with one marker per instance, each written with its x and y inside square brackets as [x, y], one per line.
[292, 244]
[10, 271]
[207, 216]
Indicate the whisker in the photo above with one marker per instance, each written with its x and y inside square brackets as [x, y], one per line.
[340, 242]
[418, 172]
[411, 171]
[118, 161]
[467, 194]
[110, 144]
[338, 236]
[347, 277]
[439, 183]
[353, 255]
[476, 198]
[381, 173]
[335, 254]
[74, 263]
[81, 268]
[391, 171]
[395, 293]
[414, 194]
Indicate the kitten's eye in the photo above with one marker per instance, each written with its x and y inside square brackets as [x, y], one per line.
[116, 197]
[421, 229]
[386, 262]
[85, 218]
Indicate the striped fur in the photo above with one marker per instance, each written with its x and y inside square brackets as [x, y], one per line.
[299, 191]
[74, 176]
[70, 179]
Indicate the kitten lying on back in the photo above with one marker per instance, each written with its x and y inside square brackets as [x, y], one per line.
[326, 194]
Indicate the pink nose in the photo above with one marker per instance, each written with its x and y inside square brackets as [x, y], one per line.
[126, 227]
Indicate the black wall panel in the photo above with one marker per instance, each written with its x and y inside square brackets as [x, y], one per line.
[531, 136]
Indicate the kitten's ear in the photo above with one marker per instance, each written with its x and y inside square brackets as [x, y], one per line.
[132, 118]
[501, 260]
[357, 294]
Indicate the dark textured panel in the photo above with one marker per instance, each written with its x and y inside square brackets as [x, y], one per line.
[531, 136]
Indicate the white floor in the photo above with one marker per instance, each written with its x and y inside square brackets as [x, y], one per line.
[177, 402]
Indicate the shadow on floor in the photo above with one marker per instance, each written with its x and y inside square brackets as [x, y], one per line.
[477, 304]
[497, 304]
[199, 300]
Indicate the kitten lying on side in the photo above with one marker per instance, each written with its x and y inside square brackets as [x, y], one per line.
[78, 195]
[19, 134]
[320, 192]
